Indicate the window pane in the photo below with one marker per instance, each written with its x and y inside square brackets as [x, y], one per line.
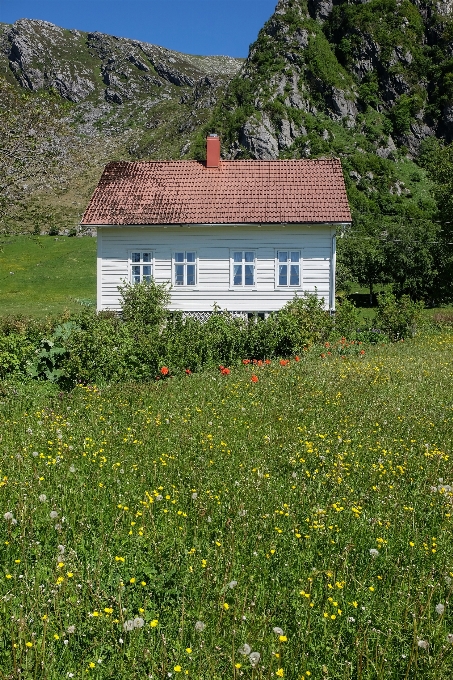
[295, 256]
[237, 257]
[135, 257]
[179, 275]
[190, 257]
[283, 275]
[147, 272]
[282, 256]
[179, 257]
[136, 270]
[294, 276]
[249, 274]
[190, 274]
[249, 256]
[146, 257]
[237, 274]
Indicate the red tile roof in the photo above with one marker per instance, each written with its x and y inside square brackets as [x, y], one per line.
[237, 192]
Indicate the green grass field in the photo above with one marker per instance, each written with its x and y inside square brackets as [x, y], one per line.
[49, 274]
[214, 527]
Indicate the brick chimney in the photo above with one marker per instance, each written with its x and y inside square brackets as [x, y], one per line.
[213, 151]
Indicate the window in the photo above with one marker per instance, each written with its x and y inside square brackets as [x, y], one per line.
[141, 267]
[288, 268]
[184, 272]
[243, 268]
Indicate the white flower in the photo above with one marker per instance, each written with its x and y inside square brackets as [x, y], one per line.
[139, 622]
[61, 549]
[72, 468]
[245, 649]
[374, 552]
[70, 630]
[351, 619]
[277, 630]
[450, 638]
[254, 658]
[35, 453]
[159, 497]
[232, 584]
[440, 608]
[42, 497]
[120, 640]
[66, 642]
[423, 644]
[194, 496]
[53, 514]
[8, 516]
[200, 626]
[128, 625]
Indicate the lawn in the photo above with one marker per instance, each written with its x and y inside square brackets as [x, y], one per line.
[213, 527]
[45, 275]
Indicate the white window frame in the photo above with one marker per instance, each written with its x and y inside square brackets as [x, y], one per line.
[277, 274]
[243, 286]
[140, 264]
[185, 285]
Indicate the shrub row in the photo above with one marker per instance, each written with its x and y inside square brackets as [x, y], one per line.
[104, 347]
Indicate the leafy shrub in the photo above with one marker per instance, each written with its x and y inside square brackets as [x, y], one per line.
[144, 303]
[51, 353]
[347, 321]
[15, 350]
[398, 317]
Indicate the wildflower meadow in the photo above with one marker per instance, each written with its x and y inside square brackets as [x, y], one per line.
[280, 519]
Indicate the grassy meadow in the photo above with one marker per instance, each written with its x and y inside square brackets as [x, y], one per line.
[46, 275]
[296, 524]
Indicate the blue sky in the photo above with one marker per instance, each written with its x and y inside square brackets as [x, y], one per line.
[193, 26]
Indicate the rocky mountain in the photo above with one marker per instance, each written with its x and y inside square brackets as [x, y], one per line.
[383, 68]
[110, 98]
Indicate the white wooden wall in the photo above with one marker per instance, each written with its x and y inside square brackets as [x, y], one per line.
[213, 246]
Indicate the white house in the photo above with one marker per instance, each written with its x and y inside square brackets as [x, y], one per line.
[245, 234]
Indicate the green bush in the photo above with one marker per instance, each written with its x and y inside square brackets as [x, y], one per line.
[15, 350]
[145, 303]
[398, 318]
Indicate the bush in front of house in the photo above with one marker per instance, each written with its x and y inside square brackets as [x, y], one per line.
[105, 347]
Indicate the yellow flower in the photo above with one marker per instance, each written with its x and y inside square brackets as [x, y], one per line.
[56, 637]
[226, 606]
[143, 583]
[355, 604]
[45, 617]
[60, 564]
[237, 665]
[8, 576]
[132, 580]
[188, 650]
[283, 638]
[29, 644]
[333, 617]
[280, 673]
[92, 664]
[371, 588]
[69, 574]
[154, 623]
[177, 669]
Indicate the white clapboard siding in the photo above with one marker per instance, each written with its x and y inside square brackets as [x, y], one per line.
[213, 247]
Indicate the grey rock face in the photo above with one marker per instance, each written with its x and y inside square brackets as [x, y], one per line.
[172, 75]
[320, 9]
[289, 132]
[259, 137]
[445, 7]
[340, 104]
[388, 150]
[30, 46]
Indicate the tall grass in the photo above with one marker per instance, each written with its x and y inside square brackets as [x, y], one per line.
[164, 529]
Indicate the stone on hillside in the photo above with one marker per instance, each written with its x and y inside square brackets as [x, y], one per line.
[258, 137]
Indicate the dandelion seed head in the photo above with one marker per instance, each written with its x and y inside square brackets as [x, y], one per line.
[53, 514]
[159, 497]
[277, 630]
[245, 649]
[374, 552]
[34, 454]
[42, 497]
[440, 608]
[254, 658]
[139, 622]
[70, 630]
[72, 468]
[232, 584]
[200, 626]
[423, 644]
[8, 516]
[194, 496]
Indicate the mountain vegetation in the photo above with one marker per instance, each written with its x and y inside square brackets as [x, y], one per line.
[371, 83]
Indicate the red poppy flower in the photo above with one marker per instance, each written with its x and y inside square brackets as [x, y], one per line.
[296, 358]
[267, 361]
[323, 356]
[164, 370]
[188, 371]
[284, 362]
[362, 351]
[245, 361]
[254, 378]
[225, 371]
